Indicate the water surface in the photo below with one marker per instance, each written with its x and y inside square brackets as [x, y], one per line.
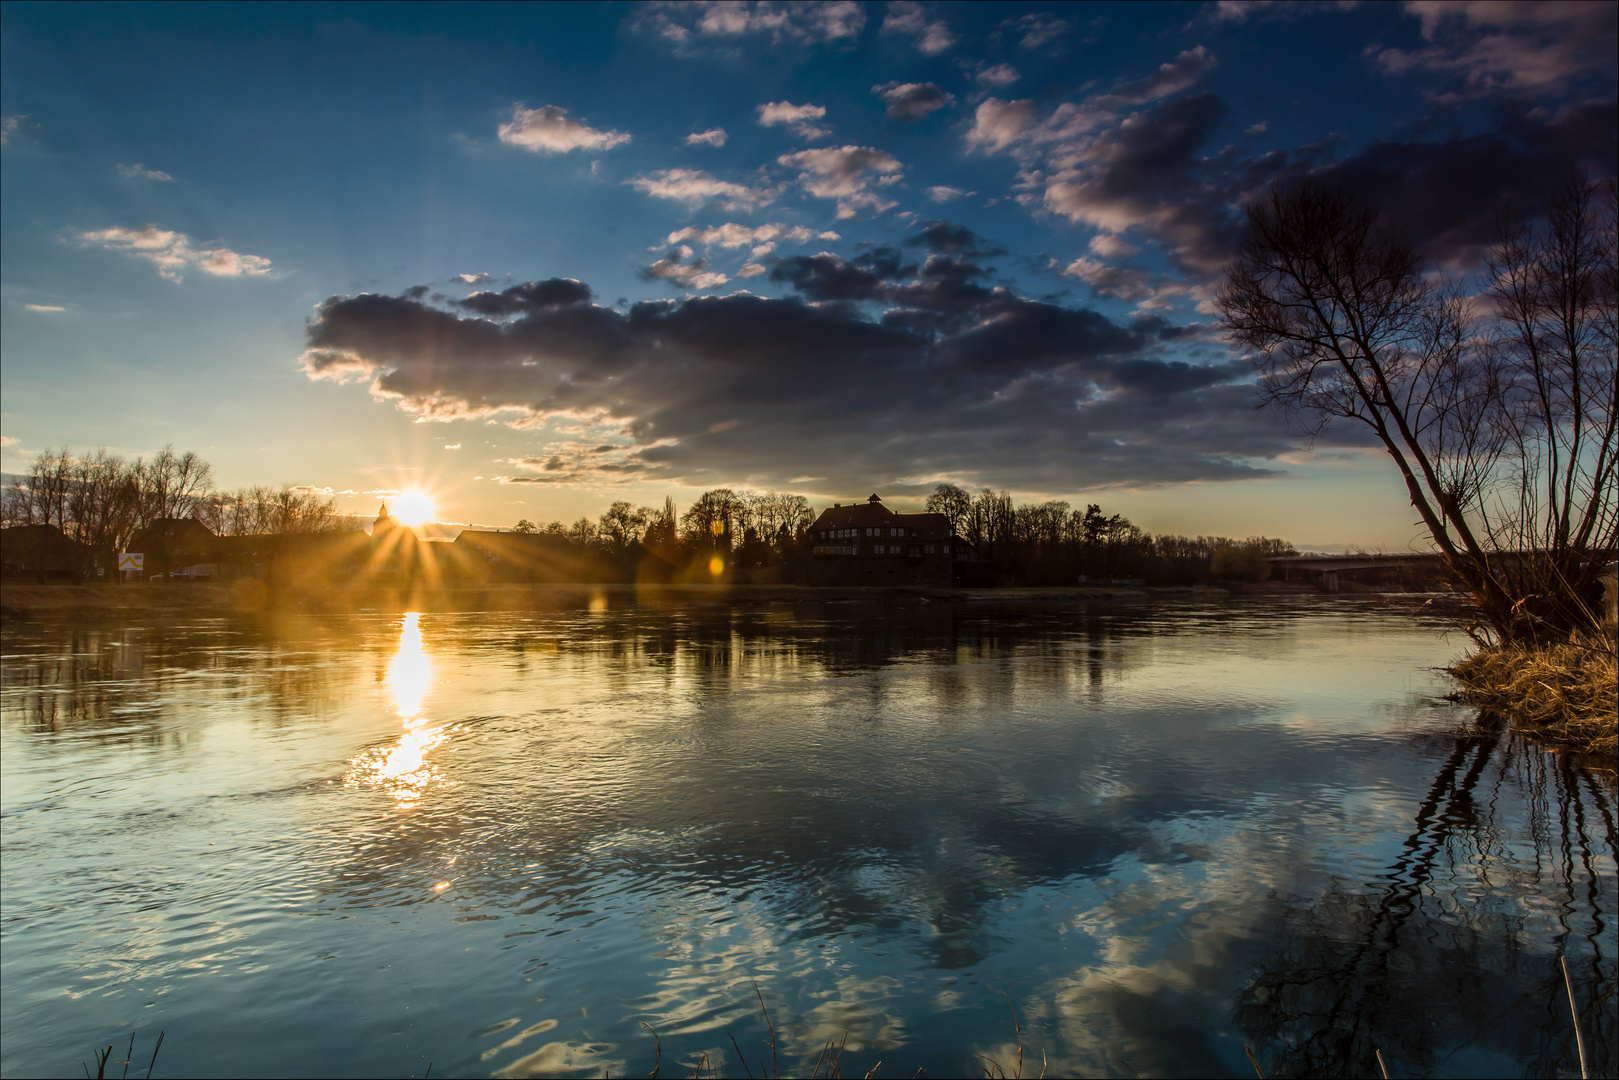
[502, 843]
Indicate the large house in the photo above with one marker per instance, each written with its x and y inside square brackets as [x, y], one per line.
[177, 548]
[868, 544]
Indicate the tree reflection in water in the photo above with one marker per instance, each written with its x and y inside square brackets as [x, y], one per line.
[1455, 947]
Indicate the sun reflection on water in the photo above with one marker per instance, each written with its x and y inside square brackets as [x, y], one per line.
[402, 769]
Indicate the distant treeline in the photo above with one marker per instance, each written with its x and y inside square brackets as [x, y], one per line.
[765, 536]
[104, 501]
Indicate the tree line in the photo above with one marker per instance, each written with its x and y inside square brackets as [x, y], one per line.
[105, 500]
[765, 536]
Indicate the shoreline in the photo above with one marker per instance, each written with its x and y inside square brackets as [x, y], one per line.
[28, 600]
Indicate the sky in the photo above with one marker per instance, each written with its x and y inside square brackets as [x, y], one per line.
[535, 259]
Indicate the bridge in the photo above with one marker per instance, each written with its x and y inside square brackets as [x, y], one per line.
[1326, 568]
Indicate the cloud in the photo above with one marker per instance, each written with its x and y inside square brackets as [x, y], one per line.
[997, 124]
[906, 17]
[173, 253]
[1447, 196]
[881, 367]
[548, 130]
[1036, 29]
[696, 187]
[452, 446]
[43, 307]
[679, 267]
[734, 235]
[1111, 247]
[1181, 73]
[912, 101]
[998, 76]
[800, 118]
[11, 127]
[472, 279]
[1128, 283]
[522, 299]
[689, 25]
[138, 171]
[940, 193]
[7, 440]
[712, 137]
[843, 173]
[1241, 11]
[1515, 47]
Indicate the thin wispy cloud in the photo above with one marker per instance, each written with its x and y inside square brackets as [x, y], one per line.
[727, 22]
[735, 235]
[711, 137]
[1035, 29]
[696, 187]
[931, 36]
[175, 253]
[998, 75]
[138, 171]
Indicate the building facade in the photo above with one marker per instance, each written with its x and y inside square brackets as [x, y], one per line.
[868, 544]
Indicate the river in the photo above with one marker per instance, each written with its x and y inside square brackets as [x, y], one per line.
[519, 844]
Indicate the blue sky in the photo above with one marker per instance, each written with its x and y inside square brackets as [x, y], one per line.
[826, 248]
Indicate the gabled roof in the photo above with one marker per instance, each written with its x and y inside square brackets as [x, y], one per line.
[872, 512]
[855, 516]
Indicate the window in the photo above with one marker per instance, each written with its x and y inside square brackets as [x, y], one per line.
[931, 549]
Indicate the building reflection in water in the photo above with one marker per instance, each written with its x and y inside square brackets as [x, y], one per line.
[403, 769]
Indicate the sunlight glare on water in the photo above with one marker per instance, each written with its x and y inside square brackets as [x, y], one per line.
[403, 769]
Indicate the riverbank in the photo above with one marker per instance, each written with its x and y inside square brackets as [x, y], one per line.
[1566, 696]
[24, 601]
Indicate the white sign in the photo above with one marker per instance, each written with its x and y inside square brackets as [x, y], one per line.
[131, 560]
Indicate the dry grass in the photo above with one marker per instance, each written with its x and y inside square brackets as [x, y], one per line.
[1563, 695]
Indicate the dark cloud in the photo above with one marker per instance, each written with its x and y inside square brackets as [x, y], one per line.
[529, 296]
[912, 101]
[881, 369]
[943, 238]
[1448, 196]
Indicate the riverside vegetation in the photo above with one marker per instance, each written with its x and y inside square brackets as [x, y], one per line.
[1497, 399]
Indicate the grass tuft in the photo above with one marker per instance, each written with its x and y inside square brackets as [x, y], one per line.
[1565, 695]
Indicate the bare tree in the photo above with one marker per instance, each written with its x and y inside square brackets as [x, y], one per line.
[261, 511]
[1347, 324]
[954, 503]
[174, 485]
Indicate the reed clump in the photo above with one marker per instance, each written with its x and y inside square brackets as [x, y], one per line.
[1565, 695]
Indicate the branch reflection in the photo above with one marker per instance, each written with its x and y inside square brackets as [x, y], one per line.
[1453, 949]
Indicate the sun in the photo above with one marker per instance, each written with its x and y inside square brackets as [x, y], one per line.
[413, 507]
